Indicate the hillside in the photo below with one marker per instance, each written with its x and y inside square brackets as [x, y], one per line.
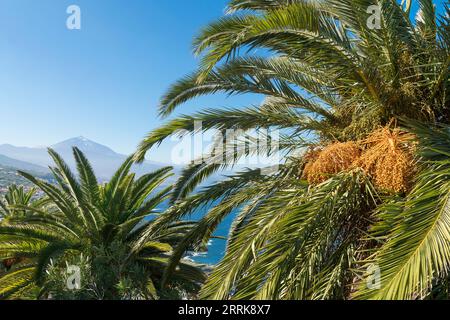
[22, 165]
[104, 160]
[9, 176]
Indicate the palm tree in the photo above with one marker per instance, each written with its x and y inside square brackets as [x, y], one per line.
[12, 207]
[15, 200]
[362, 190]
[97, 228]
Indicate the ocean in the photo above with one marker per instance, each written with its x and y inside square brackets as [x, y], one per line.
[216, 247]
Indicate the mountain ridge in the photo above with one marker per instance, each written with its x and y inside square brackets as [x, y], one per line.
[103, 159]
[22, 165]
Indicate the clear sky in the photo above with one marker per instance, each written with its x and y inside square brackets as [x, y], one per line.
[103, 81]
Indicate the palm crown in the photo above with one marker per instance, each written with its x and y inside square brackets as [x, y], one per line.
[96, 226]
[330, 81]
[16, 200]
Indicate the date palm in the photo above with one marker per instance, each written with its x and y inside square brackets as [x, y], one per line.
[12, 207]
[14, 201]
[327, 76]
[103, 224]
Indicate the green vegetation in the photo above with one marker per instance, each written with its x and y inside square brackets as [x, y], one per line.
[358, 208]
[365, 117]
[16, 202]
[100, 229]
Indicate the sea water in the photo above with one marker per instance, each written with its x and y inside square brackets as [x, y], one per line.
[216, 247]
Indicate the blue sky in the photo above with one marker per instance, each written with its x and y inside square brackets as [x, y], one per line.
[103, 81]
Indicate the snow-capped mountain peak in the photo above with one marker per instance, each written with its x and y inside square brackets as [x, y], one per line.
[85, 145]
